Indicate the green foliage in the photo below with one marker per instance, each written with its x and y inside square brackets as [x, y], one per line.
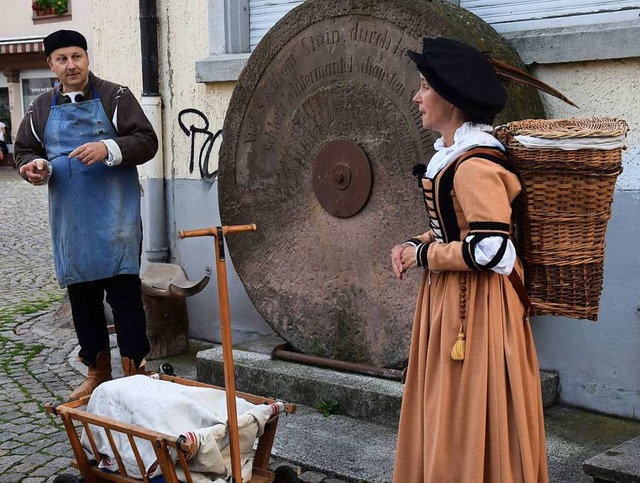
[8, 314]
[327, 407]
[18, 356]
[59, 7]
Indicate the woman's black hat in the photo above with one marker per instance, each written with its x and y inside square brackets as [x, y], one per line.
[462, 75]
[63, 38]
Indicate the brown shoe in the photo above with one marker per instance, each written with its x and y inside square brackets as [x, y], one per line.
[96, 375]
[129, 367]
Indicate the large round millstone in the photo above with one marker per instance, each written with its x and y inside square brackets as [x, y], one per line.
[319, 143]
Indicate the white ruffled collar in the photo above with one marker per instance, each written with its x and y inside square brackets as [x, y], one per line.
[466, 137]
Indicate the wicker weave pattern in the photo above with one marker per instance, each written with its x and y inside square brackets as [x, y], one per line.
[569, 128]
[567, 204]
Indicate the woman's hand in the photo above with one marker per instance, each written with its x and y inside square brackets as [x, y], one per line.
[396, 260]
[409, 258]
[403, 257]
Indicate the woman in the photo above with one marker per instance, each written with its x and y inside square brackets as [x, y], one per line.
[472, 405]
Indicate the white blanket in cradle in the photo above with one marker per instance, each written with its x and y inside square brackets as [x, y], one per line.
[198, 413]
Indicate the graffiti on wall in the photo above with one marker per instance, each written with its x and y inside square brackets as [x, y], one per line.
[201, 137]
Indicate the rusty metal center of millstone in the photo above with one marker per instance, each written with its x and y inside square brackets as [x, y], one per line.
[342, 178]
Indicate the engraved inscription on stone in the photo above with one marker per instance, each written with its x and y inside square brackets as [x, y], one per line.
[355, 49]
[328, 132]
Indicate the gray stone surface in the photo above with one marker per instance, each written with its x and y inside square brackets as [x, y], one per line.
[29, 378]
[621, 463]
[359, 396]
[601, 41]
[220, 68]
[363, 397]
[351, 449]
[336, 445]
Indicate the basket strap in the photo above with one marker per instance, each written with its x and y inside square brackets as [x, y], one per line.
[492, 154]
[517, 284]
[499, 157]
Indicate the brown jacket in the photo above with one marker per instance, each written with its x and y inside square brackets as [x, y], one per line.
[136, 137]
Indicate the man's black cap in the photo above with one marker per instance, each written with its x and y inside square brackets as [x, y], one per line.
[64, 38]
[462, 75]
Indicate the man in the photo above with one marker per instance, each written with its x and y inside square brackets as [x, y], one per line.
[84, 139]
[3, 145]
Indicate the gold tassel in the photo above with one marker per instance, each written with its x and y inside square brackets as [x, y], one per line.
[457, 353]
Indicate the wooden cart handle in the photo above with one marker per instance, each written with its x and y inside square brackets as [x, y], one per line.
[219, 232]
[212, 231]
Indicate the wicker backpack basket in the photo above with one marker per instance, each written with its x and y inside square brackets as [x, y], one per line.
[561, 225]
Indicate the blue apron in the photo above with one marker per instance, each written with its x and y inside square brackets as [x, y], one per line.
[94, 210]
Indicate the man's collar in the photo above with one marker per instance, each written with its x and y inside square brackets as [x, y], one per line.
[87, 94]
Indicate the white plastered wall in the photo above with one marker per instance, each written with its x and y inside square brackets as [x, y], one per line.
[598, 362]
[191, 201]
[600, 88]
[182, 39]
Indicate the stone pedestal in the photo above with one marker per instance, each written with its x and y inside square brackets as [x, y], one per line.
[165, 288]
[167, 326]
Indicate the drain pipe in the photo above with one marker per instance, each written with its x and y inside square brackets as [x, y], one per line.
[156, 246]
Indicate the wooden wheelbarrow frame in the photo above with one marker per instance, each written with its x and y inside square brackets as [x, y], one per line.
[72, 414]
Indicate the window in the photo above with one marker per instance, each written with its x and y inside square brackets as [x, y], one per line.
[50, 9]
[263, 14]
[34, 86]
[518, 15]
[235, 28]
[5, 113]
[541, 31]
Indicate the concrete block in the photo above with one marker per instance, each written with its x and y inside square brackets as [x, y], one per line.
[618, 464]
[362, 397]
[359, 396]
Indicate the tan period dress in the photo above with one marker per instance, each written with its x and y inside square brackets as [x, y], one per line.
[480, 419]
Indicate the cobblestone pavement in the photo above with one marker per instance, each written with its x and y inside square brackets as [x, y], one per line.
[33, 369]
[34, 344]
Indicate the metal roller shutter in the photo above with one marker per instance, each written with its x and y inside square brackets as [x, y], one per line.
[263, 14]
[509, 15]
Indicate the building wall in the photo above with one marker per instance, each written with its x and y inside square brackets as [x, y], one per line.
[597, 362]
[191, 199]
[600, 88]
[18, 23]
[17, 20]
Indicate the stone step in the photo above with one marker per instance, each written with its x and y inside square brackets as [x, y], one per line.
[352, 449]
[359, 396]
[336, 445]
[619, 464]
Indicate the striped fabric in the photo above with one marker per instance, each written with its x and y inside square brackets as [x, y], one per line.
[193, 438]
[21, 46]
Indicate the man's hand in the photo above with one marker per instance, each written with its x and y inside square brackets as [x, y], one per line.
[90, 153]
[34, 172]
